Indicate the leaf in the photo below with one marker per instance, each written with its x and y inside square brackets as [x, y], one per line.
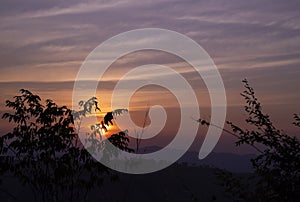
[108, 118]
[96, 107]
[118, 112]
[103, 126]
[80, 103]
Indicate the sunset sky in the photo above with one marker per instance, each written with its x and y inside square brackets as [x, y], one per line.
[43, 44]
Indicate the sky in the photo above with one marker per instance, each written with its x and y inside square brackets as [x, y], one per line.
[44, 43]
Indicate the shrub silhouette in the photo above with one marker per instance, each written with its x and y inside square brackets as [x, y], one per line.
[43, 150]
[277, 166]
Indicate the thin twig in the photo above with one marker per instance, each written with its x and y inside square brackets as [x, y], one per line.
[229, 132]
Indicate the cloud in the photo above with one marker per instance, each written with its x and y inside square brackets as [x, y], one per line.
[67, 8]
[48, 40]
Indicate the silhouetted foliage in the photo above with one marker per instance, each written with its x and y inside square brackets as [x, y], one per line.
[43, 150]
[277, 167]
[108, 118]
[297, 120]
[117, 112]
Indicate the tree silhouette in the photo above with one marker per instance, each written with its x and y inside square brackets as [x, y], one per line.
[43, 150]
[277, 166]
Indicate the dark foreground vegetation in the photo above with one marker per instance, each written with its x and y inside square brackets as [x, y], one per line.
[276, 168]
[178, 183]
[43, 151]
[42, 159]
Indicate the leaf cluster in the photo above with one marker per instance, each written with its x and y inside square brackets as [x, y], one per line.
[44, 152]
[277, 165]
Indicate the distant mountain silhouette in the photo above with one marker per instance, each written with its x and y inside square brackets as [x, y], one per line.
[229, 161]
